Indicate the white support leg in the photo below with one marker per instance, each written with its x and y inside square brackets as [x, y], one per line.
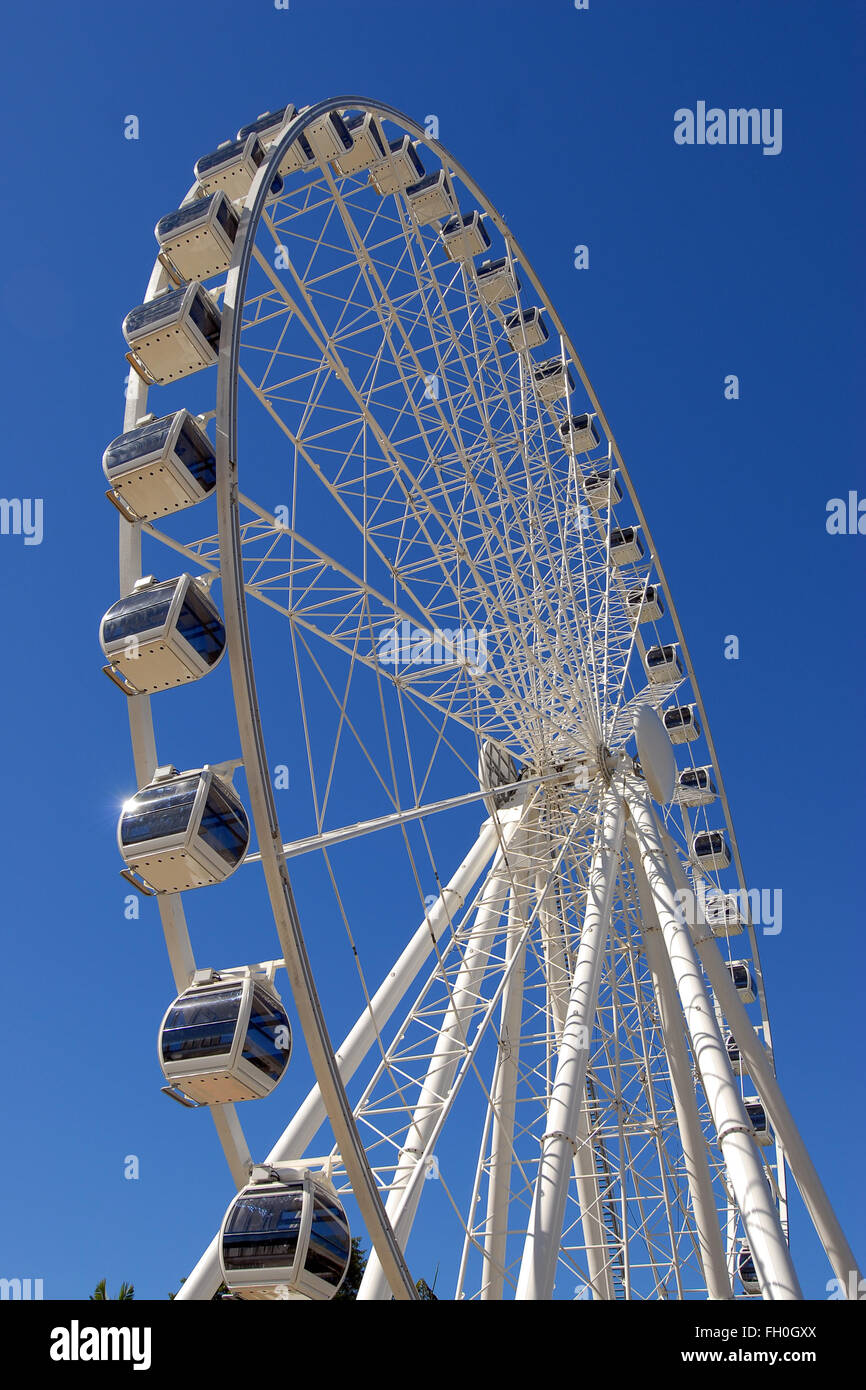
[760, 1218]
[205, 1278]
[503, 1092]
[703, 1202]
[830, 1233]
[559, 1145]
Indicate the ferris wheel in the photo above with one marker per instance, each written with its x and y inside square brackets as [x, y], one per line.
[399, 509]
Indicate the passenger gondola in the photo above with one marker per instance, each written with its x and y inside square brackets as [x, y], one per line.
[285, 1235]
[184, 830]
[695, 786]
[368, 147]
[496, 280]
[626, 546]
[722, 913]
[662, 662]
[552, 380]
[743, 980]
[579, 434]
[747, 1273]
[682, 723]
[465, 236]
[400, 168]
[431, 199]
[268, 125]
[226, 1038]
[328, 137]
[710, 848]
[601, 489]
[733, 1051]
[161, 466]
[758, 1120]
[162, 635]
[232, 166]
[526, 329]
[645, 603]
[173, 335]
[197, 240]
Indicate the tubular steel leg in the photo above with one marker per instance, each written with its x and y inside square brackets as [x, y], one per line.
[760, 1218]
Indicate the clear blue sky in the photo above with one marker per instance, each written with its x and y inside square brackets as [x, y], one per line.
[703, 262]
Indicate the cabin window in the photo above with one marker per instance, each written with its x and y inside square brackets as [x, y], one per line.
[222, 827]
[141, 612]
[159, 811]
[191, 453]
[201, 1027]
[262, 1230]
[261, 1048]
[201, 628]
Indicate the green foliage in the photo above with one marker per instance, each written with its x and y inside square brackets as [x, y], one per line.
[100, 1293]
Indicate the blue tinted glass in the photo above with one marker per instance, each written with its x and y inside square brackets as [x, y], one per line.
[329, 1242]
[201, 628]
[201, 1025]
[141, 612]
[159, 811]
[136, 444]
[261, 1047]
[197, 456]
[223, 828]
[262, 1230]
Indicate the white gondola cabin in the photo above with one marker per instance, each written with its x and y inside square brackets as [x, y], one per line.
[268, 125]
[285, 1235]
[328, 137]
[465, 236]
[496, 280]
[662, 662]
[174, 335]
[682, 723]
[743, 981]
[645, 603]
[184, 830]
[496, 768]
[552, 380]
[579, 434]
[738, 1066]
[400, 168]
[625, 546]
[432, 198]
[758, 1120]
[198, 239]
[526, 329]
[368, 147]
[225, 1039]
[722, 913]
[161, 466]
[710, 848]
[231, 167]
[602, 489]
[747, 1273]
[695, 786]
[162, 635]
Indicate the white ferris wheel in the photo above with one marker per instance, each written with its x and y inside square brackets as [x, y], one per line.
[411, 529]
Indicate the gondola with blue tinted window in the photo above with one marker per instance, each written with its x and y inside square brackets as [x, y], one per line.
[173, 335]
[400, 168]
[464, 235]
[601, 488]
[758, 1120]
[695, 786]
[225, 1039]
[161, 466]
[743, 980]
[496, 281]
[183, 830]
[369, 145]
[197, 240]
[268, 125]
[722, 913]
[526, 329]
[710, 848]
[625, 545]
[579, 434]
[232, 166]
[748, 1275]
[682, 723]
[552, 380]
[432, 198]
[328, 137]
[644, 603]
[285, 1235]
[162, 635]
[662, 662]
